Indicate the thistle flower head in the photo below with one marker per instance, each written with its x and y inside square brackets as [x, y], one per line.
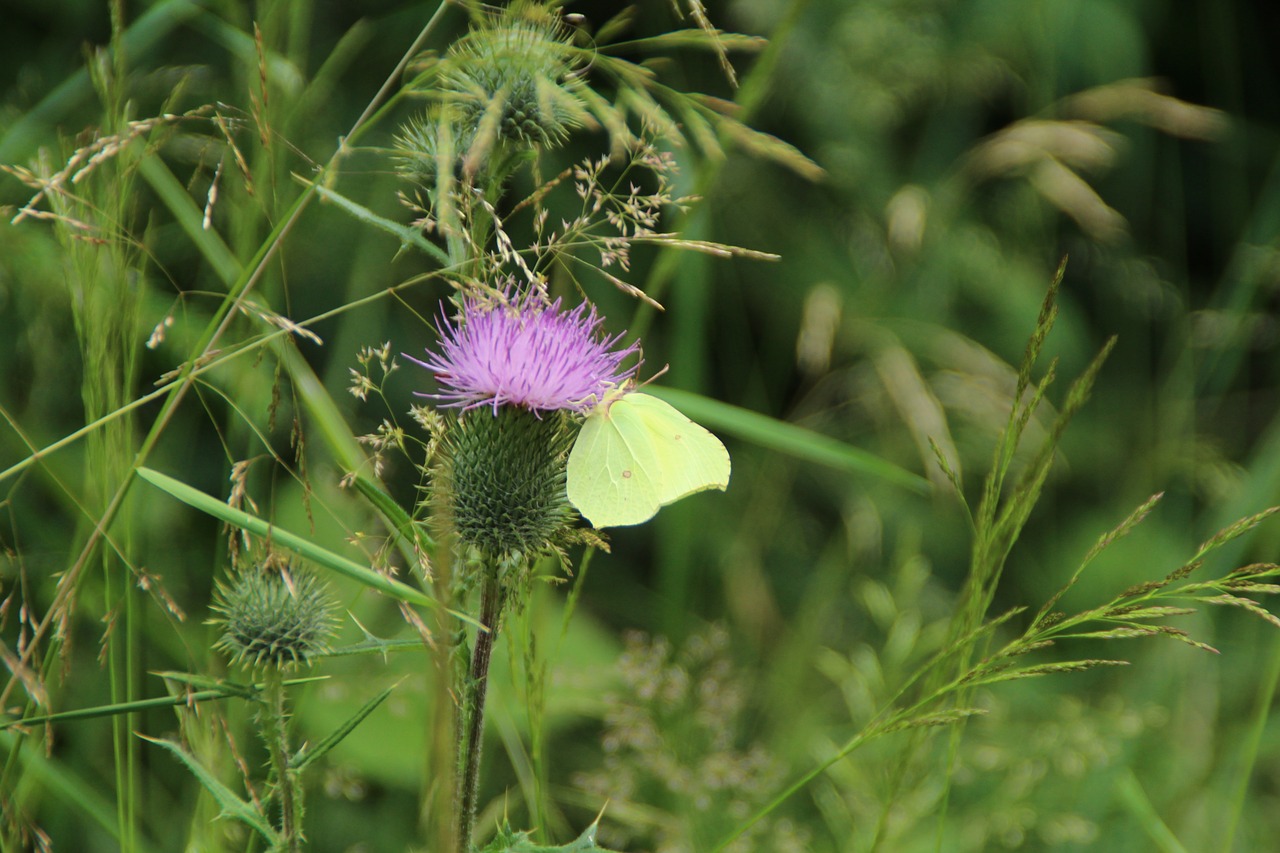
[517, 366]
[526, 353]
[273, 616]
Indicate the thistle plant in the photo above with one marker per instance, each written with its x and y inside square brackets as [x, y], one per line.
[517, 371]
[514, 366]
[275, 618]
[514, 349]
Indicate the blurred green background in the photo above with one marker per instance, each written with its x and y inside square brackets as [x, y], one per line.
[965, 148]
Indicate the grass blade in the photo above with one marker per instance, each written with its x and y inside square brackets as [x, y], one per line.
[190, 217]
[123, 708]
[300, 546]
[23, 135]
[788, 438]
[60, 783]
[405, 234]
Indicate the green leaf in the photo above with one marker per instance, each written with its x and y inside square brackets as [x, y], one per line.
[208, 690]
[123, 708]
[691, 38]
[22, 135]
[231, 688]
[306, 756]
[395, 515]
[252, 53]
[178, 200]
[772, 148]
[376, 645]
[618, 24]
[60, 784]
[232, 805]
[508, 841]
[1140, 807]
[333, 428]
[205, 683]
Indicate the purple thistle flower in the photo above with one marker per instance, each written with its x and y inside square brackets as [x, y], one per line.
[528, 354]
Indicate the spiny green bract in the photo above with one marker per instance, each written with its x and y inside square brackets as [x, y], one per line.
[503, 480]
[508, 81]
[273, 617]
[509, 841]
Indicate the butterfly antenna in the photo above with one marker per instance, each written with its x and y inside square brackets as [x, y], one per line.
[664, 369]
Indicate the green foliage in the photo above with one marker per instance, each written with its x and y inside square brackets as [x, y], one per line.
[304, 547]
[677, 746]
[308, 754]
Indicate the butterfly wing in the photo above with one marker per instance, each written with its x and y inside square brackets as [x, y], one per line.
[689, 459]
[636, 454]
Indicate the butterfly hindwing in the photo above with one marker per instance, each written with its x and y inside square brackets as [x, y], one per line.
[636, 454]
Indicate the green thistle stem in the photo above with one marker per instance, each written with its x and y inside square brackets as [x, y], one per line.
[472, 720]
[275, 733]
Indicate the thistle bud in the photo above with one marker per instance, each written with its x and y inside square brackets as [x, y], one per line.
[273, 616]
[509, 84]
[518, 71]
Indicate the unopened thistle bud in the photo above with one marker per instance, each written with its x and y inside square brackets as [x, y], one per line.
[273, 616]
[509, 82]
[517, 72]
[516, 366]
